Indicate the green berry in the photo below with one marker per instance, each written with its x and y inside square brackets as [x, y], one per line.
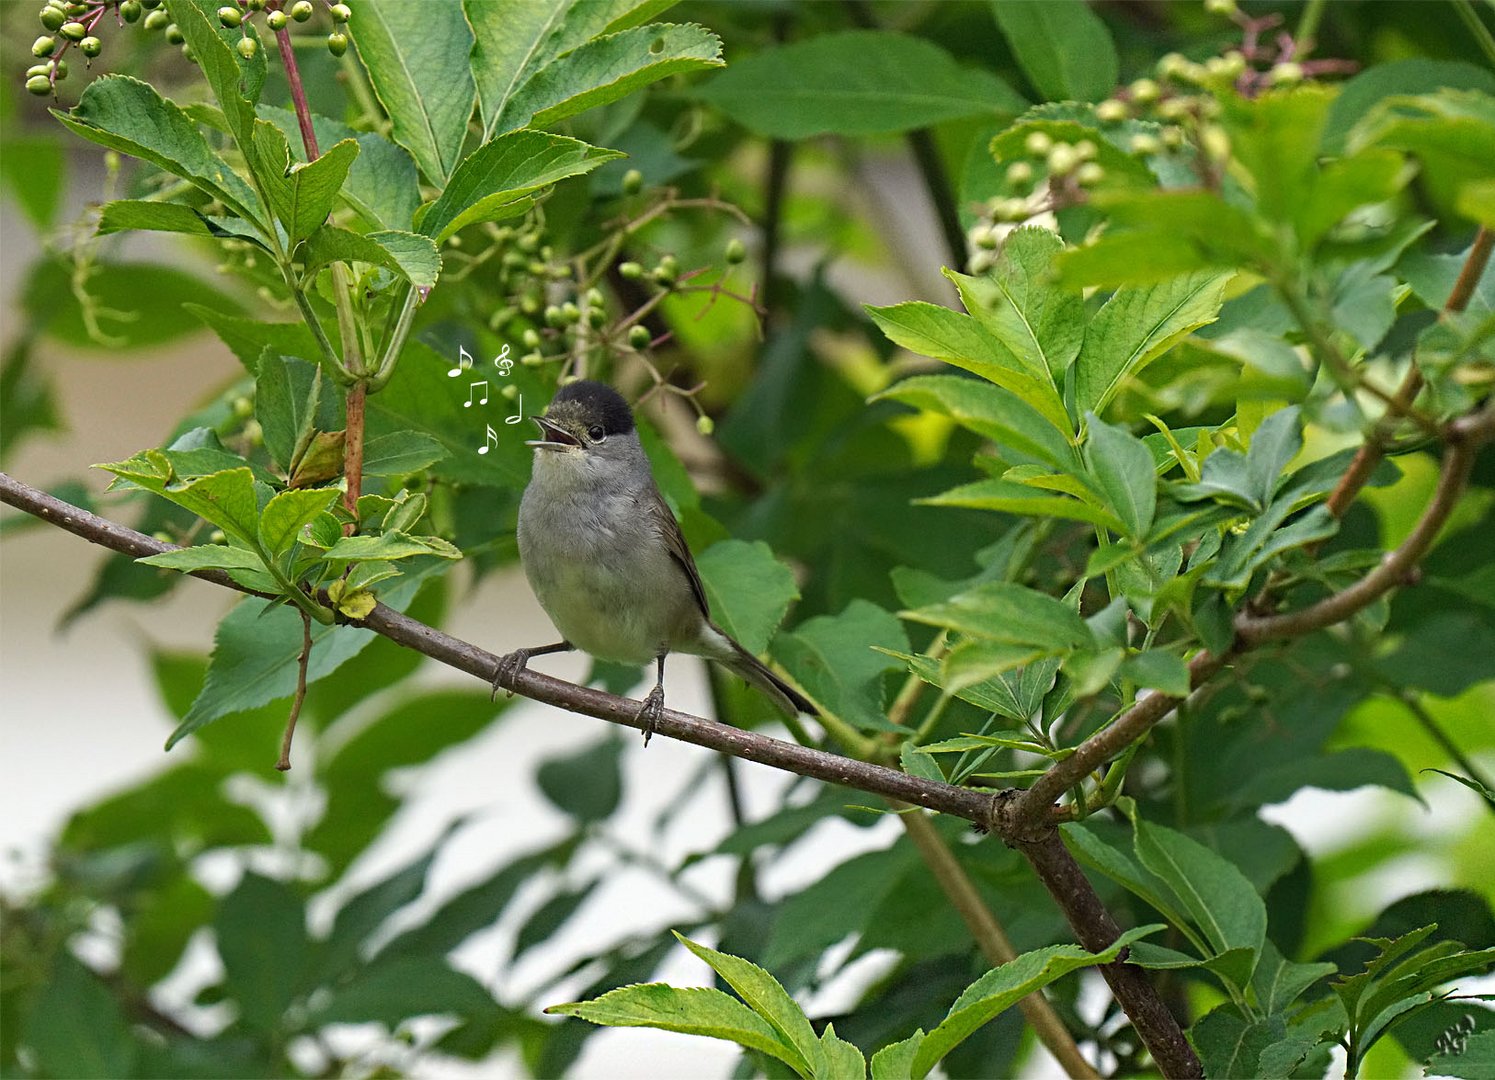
[669, 265]
[217, 537]
[247, 47]
[131, 11]
[74, 31]
[302, 10]
[1144, 91]
[1144, 144]
[1062, 159]
[230, 17]
[630, 271]
[633, 182]
[39, 69]
[163, 536]
[39, 85]
[43, 47]
[60, 66]
[276, 21]
[256, 5]
[1220, 7]
[1089, 174]
[705, 425]
[531, 339]
[91, 47]
[1215, 142]
[983, 236]
[736, 251]
[53, 18]
[596, 318]
[554, 317]
[570, 313]
[157, 20]
[1038, 143]
[1110, 111]
[1019, 174]
[1286, 74]
[191, 57]
[337, 43]
[639, 337]
[174, 34]
[340, 13]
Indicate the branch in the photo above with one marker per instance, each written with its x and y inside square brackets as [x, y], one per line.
[973, 806]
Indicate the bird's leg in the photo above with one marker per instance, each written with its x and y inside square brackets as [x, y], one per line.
[653, 706]
[509, 666]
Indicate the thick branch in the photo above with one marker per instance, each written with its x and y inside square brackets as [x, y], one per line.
[966, 803]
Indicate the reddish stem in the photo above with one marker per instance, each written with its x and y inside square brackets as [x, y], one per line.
[353, 453]
[298, 94]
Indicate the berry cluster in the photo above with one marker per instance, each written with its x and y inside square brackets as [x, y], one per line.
[73, 22]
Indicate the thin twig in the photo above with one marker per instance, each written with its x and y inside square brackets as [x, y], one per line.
[302, 661]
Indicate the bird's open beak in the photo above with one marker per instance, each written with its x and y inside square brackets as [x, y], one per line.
[555, 437]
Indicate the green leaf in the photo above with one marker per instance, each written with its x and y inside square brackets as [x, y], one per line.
[287, 393]
[125, 214]
[855, 82]
[1063, 48]
[1215, 895]
[34, 174]
[128, 115]
[587, 784]
[497, 180]
[1473, 785]
[226, 499]
[394, 992]
[1228, 1044]
[1339, 770]
[1452, 132]
[750, 590]
[285, 514]
[1275, 138]
[388, 546]
[1158, 670]
[75, 1027]
[1420, 75]
[416, 54]
[235, 82]
[1123, 470]
[938, 332]
[261, 931]
[301, 194]
[990, 411]
[205, 557]
[1014, 498]
[249, 338]
[1136, 326]
[766, 997]
[1003, 611]
[896, 1060]
[841, 1060]
[692, 1011]
[832, 657]
[361, 916]
[399, 453]
[917, 763]
[1004, 986]
[409, 255]
[1345, 185]
[1018, 302]
[608, 68]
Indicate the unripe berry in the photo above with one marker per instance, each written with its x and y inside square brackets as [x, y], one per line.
[1286, 74]
[74, 31]
[217, 537]
[1038, 143]
[1214, 142]
[1062, 159]
[1019, 174]
[639, 337]
[247, 47]
[163, 536]
[174, 34]
[736, 251]
[554, 317]
[131, 11]
[669, 265]
[705, 425]
[230, 17]
[531, 339]
[157, 20]
[256, 5]
[302, 10]
[1175, 108]
[1220, 7]
[1011, 210]
[1144, 91]
[276, 21]
[243, 408]
[60, 68]
[43, 47]
[982, 236]
[1110, 111]
[1171, 65]
[981, 262]
[53, 18]
[39, 69]
[633, 182]
[39, 85]
[630, 271]
[337, 43]
[340, 13]
[1144, 144]
[1089, 173]
[570, 313]
[91, 47]
[1085, 150]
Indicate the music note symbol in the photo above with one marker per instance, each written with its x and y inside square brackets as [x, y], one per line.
[502, 361]
[464, 361]
[492, 440]
[517, 416]
[472, 391]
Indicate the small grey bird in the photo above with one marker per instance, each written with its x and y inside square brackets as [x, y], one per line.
[606, 558]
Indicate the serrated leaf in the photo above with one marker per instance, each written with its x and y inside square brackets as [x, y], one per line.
[497, 180]
[287, 393]
[125, 214]
[400, 452]
[416, 55]
[1003, 611]
[833, 658]
[389, 546]
[1124, 472]
[411, 256]
[1013, 498]
[896, 1060]
[750, 590]
[302, 194]
[1136, 326]
[855, 82]
[284, 516]
[998, 414]
[1063, 48]
[205, 557]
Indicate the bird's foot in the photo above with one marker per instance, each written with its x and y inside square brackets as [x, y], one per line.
[651, 711]
[507, 670]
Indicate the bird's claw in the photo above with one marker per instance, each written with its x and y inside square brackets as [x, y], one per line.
[507, 670]
[650, 711]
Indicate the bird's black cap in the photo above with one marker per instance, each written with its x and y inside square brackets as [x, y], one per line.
[597, 400]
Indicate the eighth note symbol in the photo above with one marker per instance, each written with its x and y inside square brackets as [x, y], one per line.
[472, 391]
[464, 361]
[492, 440]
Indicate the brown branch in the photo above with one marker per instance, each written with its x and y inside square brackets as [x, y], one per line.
[284, 762]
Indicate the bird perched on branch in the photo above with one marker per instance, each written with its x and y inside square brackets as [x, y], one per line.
[606, 557]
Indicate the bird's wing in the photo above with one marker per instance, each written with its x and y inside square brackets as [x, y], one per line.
[674, 541]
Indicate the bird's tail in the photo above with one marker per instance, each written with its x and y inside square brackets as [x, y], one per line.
[743, 663]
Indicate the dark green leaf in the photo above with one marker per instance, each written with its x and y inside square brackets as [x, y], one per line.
[302, 194]
[588, 784]
[261, 930]
[393, 992]
[125, 214]
[75, 1027]
[401, 452]
[1123, 470]
[831, 656]
[749, 589]
[1063, 48]
[1473, 1060]
[1419, 75]
[1158, 670]
[1012, 613]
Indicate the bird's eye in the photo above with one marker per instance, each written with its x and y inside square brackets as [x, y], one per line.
[596, 433]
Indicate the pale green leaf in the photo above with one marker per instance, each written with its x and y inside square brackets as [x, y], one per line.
[991, 411]
[409, 255]
[205, 557]
[749, 589]
[833, 658]
[1003, 611]
[1014, 498]
[285, 514]
[1124, 472]
[387, 546]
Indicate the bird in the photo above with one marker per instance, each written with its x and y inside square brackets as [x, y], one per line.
[606, 557]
